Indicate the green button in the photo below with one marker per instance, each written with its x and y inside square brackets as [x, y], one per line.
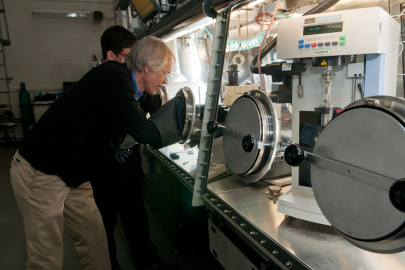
[342, 42]
[342, 37]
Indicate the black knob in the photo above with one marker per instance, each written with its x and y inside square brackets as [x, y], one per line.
[397, 195]
[248, 143]
[294, 155]
[212, 127]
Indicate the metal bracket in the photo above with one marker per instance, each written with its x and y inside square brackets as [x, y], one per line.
[368, 178]
[294, 155]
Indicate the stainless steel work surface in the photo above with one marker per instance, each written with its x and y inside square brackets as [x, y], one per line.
[318, 246]
[186, 161]
[229, 183]
[232, 183]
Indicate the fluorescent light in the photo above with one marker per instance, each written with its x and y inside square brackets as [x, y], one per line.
[67, 13]
[191, 28]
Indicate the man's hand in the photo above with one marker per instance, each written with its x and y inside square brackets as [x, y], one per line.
[195, 137]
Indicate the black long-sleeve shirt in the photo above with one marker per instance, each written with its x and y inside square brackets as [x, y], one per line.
[84, 128]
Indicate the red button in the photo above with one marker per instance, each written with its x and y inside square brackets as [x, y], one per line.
[338, 110]
[313, 44]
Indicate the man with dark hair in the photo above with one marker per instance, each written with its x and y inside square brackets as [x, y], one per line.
[116, 42]
[119, 188]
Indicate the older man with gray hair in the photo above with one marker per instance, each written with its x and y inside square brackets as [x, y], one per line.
[119, 188]
[150, 60]
[75, 138]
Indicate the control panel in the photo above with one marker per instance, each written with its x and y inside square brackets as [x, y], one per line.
[347, 32]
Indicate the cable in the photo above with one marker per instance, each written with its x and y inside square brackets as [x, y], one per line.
[402, 45]
[262, 18]
[399, 15]
[108, 17]
[401, 49]
[260, 49]
[361, 90]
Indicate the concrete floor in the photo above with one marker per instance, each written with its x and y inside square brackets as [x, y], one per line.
[12, 239]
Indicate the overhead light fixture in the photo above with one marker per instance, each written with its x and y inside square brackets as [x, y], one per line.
[207, 21]
[65, 13]
[191, 28]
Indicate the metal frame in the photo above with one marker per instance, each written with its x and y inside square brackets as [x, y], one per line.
[213, 89]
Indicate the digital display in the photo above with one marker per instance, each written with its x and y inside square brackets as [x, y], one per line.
[147, 9]
[323, 29]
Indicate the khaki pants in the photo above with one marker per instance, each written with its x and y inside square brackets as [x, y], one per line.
[46, 204]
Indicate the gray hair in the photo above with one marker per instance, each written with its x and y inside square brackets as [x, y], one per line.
[149, 51]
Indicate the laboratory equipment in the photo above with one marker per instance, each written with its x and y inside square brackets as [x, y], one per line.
[338, 46]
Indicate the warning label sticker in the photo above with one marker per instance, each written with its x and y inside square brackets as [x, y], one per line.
[324, 63]
[319, 52]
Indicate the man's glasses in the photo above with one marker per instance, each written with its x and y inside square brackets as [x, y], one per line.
[168, 76]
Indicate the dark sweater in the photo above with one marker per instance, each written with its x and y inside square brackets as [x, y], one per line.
[84, 128]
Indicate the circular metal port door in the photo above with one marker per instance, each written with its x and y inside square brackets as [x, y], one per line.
[254, 114]
[188, 96]
[371, 138]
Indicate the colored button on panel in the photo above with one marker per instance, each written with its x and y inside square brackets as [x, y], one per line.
[313, 44]
[320, 44]
[342, 37]
[342, 42]
[327, 43]
[301, 46]
[300, 41]
[334, 43]
[307, 45]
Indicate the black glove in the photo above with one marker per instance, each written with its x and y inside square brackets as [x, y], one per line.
[195, 137]
[170, 119]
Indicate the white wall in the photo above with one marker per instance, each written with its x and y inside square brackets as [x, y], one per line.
[49, 49]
